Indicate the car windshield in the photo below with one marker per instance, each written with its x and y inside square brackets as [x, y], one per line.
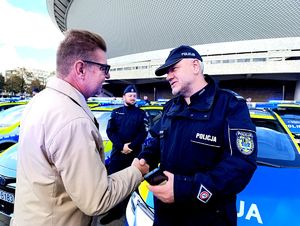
[275, 146]
[11, 116]
[102, 118]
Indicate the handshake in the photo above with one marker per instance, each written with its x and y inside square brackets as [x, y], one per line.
[141, 165]
[161, 182]
[155, 177]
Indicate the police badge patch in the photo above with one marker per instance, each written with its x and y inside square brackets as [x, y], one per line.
[244, 142]
[204, 194]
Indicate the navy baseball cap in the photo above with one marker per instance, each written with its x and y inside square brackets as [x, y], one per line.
[130, 89]
[176, 55]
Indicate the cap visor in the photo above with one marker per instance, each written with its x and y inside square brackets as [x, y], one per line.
[163, 69]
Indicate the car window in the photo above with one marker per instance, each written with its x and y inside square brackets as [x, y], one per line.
[292, 119]
[286, 112]
[271, 124]
[152, 115]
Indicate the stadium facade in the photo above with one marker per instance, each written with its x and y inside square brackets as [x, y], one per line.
[250, 47]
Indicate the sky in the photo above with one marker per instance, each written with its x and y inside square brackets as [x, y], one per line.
[28, 37]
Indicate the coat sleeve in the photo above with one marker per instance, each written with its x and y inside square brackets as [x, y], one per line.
[76, 157]
[237, 164]
[141, 131]
[112, 132]
[151, 149]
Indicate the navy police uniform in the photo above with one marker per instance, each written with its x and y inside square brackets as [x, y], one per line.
[210, 146]
[127, 124]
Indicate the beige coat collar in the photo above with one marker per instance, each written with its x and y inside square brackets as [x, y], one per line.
[68, 90]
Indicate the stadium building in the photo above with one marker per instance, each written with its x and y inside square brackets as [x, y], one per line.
[251, 47]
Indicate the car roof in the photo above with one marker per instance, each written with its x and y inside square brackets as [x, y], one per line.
[105, 108]
[261, 113]
[152, 107]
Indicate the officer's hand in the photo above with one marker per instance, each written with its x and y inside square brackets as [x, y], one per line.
[165, 191]
[144, 168]
[126, 149]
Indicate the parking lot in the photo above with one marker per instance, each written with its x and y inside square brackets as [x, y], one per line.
[278, 157]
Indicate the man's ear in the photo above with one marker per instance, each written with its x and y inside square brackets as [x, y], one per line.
[196, 66]
[79, 69]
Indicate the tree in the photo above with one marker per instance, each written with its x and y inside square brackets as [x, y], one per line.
[15, 84]
[35, 85]
[2, 81]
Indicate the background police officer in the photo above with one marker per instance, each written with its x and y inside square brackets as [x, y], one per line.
[206, 144]
[127, 131]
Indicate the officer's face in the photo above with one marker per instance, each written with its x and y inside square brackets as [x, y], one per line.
[129, 98]
[181, 77]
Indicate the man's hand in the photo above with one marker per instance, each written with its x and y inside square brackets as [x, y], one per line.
[126, 149]
[165, 191]
[141, 165]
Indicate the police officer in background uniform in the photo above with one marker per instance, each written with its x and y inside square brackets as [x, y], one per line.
[206, 144]
[127, 130]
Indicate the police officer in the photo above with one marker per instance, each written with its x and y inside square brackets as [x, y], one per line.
[206, 144]
[127, 131]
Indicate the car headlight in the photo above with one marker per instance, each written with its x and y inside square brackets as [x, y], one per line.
[138, 213]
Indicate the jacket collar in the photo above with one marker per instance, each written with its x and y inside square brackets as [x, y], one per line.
[200, 101]
[67, 89]
[204, 98]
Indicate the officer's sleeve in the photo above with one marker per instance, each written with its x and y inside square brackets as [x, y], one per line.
[151, 149]
[112, 130]
[237, 164]
[141, 133]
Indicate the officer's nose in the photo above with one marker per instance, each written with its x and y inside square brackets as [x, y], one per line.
[170, 76]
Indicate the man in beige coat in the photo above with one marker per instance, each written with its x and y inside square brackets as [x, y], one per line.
[61, 177]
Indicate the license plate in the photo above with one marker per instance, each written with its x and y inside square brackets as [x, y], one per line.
[7, 197]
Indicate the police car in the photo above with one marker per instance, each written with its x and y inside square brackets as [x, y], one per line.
[8, 158]
[8, 165]
[272, 197]
[6, 105]
[290, 113]
[102, 114]
[9, 126]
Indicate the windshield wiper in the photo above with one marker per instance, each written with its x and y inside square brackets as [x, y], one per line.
[268, 164]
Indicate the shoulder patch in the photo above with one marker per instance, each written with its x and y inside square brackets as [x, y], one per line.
[244, 142]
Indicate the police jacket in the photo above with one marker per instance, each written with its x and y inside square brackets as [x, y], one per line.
[127, 124]
[210, 146]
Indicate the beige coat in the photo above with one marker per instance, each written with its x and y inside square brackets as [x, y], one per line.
[61, 178]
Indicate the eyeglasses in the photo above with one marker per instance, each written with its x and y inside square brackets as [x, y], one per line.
[102, 67]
